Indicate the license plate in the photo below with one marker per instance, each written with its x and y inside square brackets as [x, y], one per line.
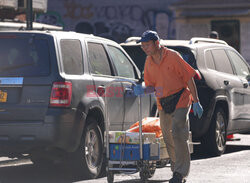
[3, 96]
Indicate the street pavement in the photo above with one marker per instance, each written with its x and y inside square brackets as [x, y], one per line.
[231, 167]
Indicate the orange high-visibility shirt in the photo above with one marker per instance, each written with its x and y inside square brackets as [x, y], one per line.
[169, 77]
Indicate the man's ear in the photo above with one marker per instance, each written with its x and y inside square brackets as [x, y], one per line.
[157, 43]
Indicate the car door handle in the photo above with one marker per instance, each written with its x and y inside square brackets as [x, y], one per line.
[100, 90]
[245, 85]
[226, 82]
[128, 91]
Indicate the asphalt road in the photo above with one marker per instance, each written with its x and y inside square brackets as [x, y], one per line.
[233, 167]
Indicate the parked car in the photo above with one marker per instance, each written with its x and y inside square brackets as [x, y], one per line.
[222, 81]
[52, 87]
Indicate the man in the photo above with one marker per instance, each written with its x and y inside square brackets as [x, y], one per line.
[167, 73]
[214, 35]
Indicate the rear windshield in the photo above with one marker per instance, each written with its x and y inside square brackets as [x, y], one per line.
[186, 54]
[21, 56]
[139, 57]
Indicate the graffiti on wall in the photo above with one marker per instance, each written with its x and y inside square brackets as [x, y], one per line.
[116, 31]
[117, 22]
[51, 18]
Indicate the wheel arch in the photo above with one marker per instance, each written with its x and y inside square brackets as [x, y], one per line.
[210, 140]
[98, 114]
[86, 110]
[224, 104]
[220, 101]
[93, 107]
[82, 161]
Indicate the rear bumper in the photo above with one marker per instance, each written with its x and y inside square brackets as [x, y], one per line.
[61, 128]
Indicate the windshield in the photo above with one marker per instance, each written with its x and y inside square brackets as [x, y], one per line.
[23, 56]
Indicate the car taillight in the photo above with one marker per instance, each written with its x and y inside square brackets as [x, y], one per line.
[229, 137]
[197, 76]
[61, 94]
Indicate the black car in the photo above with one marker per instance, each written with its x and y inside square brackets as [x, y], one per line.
[52, 90]
[222, 81]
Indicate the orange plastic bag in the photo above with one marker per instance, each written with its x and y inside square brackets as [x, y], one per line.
[149, 124]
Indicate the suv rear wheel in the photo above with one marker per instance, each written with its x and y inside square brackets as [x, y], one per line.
[93, 143]
[88, 159]
[215, 139]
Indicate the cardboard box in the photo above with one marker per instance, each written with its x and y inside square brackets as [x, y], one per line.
[130, 137]
[163, 148]
[163, 153]
[161, 142]
[131, 152]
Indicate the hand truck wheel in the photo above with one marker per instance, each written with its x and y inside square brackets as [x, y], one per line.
[144, 176]
[110, 177]
[151, 173]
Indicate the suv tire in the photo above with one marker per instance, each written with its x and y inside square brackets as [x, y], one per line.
[90, 151]
[215, 139]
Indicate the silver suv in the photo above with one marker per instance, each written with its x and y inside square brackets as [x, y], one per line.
[52, 87]
[222, 81]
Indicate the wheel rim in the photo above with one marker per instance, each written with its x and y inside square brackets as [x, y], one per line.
[92, 149]
[220, 133]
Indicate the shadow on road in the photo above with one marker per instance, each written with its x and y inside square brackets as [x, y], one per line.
[138, 180]
[200, 154]
[236, 148]
[28, 173]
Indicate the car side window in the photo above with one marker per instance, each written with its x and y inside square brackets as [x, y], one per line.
[123, 66]
[98, 59]
[222, 62]
[240, 66]
[72, 56]
[209, 60]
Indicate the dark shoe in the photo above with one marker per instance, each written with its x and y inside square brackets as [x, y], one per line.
[177, 178]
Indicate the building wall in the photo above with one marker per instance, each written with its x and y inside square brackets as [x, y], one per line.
[114, 19]
[118, 20]
[245, 39]
[201, 27]
[188, 28]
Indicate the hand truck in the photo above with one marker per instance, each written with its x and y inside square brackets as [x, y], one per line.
[146, 168]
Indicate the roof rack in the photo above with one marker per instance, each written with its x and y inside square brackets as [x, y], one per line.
[206, 40]
[13, 25]
[131, 39]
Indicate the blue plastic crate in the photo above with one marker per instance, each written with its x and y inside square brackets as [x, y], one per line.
[131, 152]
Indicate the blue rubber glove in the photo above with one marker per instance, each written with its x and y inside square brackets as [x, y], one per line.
[138, 90]
[197, 108]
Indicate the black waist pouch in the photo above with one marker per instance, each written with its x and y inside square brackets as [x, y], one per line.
[169, 103]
